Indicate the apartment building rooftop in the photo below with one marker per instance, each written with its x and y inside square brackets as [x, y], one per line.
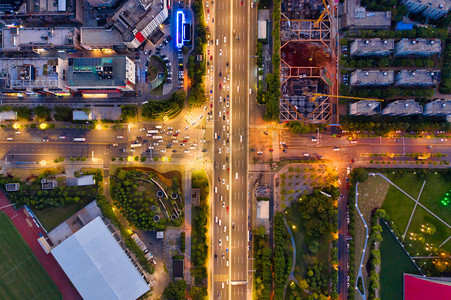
[438, 108]
[99, 37]
[371, 47]
[357, 16]
[29, 73]
[31, 39]
[365, 108]
[371, 78]
[44, 12]
[138, 19]
[416, 78]
[403, 108]
[418, 47]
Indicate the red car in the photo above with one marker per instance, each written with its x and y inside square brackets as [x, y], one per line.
[208, 10]
[185, 141]
[211, 57]
[176, 134]
[208, 52]
[227, 209]
[220, 86]
[271, 150]
[241, 2]
[227, 112]
[228, 169]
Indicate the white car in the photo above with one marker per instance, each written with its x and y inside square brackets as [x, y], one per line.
[220, 242]
[225, 39]
[220, 52]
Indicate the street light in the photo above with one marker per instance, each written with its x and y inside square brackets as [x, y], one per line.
[130, 158]
[43, 126]
[43, 162]
[16, 126]
[165, 118]
[99, 126]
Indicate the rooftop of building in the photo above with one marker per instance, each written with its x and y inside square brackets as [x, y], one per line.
[423, 76]
[436, 4]
[358, 16]
[47, 7]
[420, 45]
[44, 70]
[365, 107]
[97, 71]
[15, 37]
[416, 287]
[100, 37]
[135, 15]
[373, 44]
[97, 265]
[438, 107]
[403, 107]
[374, 76]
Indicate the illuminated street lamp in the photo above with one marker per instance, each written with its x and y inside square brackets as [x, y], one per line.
[130, 158]
[99, 126]
[43, 162]
[164, 159]
[43, 126]
[165, 118]
[130, 125]
[16, 126]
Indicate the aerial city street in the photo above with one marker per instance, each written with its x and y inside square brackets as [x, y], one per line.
[214, 149]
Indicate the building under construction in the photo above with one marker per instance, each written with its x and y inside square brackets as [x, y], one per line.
[305, 61]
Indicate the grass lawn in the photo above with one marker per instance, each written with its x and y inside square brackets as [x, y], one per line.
[51, 217]
[293, 219]
[394, 262]
[399, 207]
[158, 90]
[21, 274]
[442, 232]
[409, 182]
[436, 186]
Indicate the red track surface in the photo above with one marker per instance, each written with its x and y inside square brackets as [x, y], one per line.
[30, 234]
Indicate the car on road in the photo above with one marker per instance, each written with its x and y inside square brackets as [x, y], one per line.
[227, 209]
[285, 150]
[45, 139]
[336, 149]
[220, 242]
[61, 137]
[220, 86]
[271, 150]
[119, 137]
[186, 128]
[220, 52]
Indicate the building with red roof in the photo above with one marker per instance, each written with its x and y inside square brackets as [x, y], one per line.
[417, 287]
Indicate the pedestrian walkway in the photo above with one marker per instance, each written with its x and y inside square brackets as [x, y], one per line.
[360, 274]
[413, 211]
[187, 225]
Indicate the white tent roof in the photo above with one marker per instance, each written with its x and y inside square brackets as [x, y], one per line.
[97, 265]
[263, 210]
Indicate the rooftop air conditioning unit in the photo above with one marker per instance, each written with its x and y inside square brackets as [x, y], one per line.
[414, 42]
[385, 42]
[385, 73]
[366, 73]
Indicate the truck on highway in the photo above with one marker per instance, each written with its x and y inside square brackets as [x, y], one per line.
[135, 145]
[157, 137]
[79, 139]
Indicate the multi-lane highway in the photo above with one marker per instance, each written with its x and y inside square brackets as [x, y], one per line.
[230, 47]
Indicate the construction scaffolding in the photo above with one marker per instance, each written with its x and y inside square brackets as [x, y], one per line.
[305, 58]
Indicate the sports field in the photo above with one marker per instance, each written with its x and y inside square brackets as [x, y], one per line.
[21, 274]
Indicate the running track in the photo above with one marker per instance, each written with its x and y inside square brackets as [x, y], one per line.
[31, 235]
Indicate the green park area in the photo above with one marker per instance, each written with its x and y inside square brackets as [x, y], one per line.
[312, 221]
[21, 274]
[422, 227]
[149, 200]
[51, 206]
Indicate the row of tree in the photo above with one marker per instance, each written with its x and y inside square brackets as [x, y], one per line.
[386, 92]
[272, 95]
[31, 193]
[382, 125]
[153, 109]
[262, 264]
[199, 247]
[445, 74]
[385, 62]
[280, 256]
[196, 68]
[298, 127]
